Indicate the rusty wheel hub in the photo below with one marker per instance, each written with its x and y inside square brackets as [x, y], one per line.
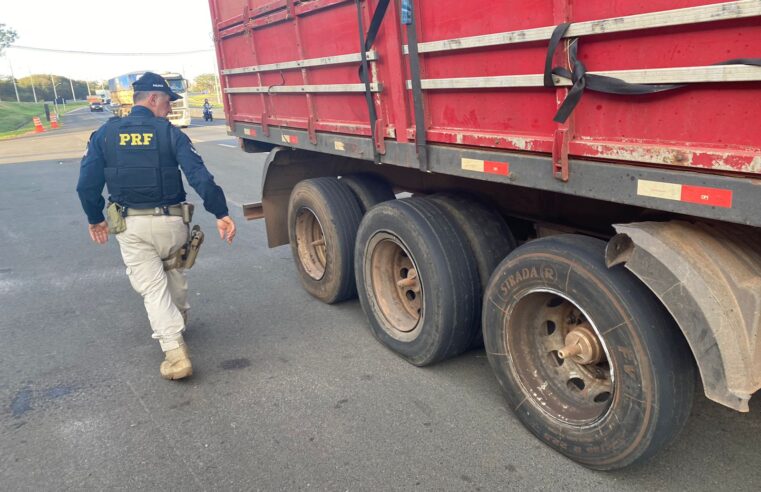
[559, 358]
[310, 243]
[396, 286]
[582, 346]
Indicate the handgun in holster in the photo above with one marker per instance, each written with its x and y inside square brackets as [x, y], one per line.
[185, 257]
[193, 246]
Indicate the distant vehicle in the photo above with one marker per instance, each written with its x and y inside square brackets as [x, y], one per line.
[207, 116]
[104, 95]
[96, 106]
[120, 89]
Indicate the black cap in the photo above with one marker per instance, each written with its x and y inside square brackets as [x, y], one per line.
[150, 81]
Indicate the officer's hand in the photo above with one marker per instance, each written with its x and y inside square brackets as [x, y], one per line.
[99, 232]
[226, 228]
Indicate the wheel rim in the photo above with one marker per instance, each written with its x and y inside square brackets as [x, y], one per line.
[559, 358]
[395, 285]
[310, 243]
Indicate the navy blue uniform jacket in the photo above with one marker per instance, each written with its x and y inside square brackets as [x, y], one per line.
[92, 178]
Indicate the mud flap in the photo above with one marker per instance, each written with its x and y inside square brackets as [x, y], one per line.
[709, 279]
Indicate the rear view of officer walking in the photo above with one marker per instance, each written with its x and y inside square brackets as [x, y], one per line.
[139, 158]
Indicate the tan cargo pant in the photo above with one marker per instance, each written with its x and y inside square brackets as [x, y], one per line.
[148, 240]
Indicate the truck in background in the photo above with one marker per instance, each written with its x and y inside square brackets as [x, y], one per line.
[121, 92]
[586, 182]
[105, 96]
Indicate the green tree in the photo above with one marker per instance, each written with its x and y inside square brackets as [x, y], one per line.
[43, 88]
[7, 37]
[204, 82]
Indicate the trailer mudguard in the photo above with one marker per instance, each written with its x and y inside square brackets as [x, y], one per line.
[708, 276]
[283, 168]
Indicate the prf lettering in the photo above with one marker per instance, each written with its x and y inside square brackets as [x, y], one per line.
[135, 139]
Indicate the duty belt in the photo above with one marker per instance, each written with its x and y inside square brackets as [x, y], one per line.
[164, 210]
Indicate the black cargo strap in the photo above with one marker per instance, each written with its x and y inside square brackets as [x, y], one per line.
[369, 38]
[421, 146]
[372, 31]
[600, 83]
[365, 43]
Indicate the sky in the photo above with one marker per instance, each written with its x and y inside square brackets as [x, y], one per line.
[136, 26]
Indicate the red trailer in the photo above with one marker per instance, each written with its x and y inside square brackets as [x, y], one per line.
[586, 180]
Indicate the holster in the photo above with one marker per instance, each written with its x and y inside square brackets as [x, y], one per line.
[194, 245]
[187, 212]
[115, 218]
[185, 257]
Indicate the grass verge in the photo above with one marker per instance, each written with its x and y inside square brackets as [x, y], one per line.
[16, 118]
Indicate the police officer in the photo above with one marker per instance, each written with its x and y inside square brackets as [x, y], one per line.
[139, 158]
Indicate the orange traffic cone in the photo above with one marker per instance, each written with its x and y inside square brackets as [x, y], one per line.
[37, 125]
[53, 121]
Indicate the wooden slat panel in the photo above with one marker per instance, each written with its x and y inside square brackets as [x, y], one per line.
[691, 15]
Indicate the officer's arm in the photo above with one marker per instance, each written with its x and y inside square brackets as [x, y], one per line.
[203, 182]
[199, 177]
[92, 180]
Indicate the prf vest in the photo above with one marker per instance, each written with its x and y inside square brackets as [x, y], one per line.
[141, 169]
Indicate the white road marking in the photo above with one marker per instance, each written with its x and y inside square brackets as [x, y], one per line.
[226, 145]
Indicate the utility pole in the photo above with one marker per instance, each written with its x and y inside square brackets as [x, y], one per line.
[88, 87]
[55, 94]
[217, 82]
[73, 96]
[13, 78]
[217, 87]
[34, 93]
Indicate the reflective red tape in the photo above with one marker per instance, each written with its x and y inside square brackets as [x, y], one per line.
[707, 196]
[492, 167]
[701, 195]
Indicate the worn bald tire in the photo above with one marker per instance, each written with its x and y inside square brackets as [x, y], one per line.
[488, 236]
[417, 283]
[369, 189]
[323, 218]
[629, 389]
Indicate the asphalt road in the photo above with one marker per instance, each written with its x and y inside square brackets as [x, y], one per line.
[288, 393]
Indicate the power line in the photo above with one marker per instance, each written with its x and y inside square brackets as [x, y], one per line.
[78, 52]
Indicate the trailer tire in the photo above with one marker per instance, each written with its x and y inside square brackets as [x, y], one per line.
[629, 389]
[417, 284]
[369, 189]
[324, 210]
[486, 232]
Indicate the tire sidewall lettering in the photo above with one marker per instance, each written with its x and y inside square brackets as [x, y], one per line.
[629, 400]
